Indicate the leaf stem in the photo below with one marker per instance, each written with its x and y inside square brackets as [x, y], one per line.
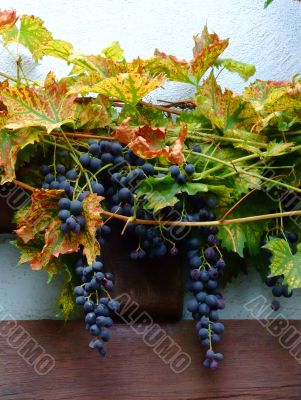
[8, 77]
[225, 139]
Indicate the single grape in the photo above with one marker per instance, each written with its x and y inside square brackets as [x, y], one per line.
[174, 170]
[189, 169]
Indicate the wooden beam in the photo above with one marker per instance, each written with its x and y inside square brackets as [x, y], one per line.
[256, 367]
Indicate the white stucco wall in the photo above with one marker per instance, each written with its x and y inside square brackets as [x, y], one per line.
[270, 39]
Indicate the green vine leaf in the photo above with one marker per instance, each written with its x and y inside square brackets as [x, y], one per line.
[267, 3]
[66, 301]
[284, 262]
[244, 70]
[58, 48]
[114, 52]
[240, 237]
[159, 193]
[32, 35]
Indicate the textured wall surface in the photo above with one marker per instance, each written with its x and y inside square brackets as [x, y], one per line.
[270, 39]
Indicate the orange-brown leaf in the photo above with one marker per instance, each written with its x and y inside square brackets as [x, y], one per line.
[149, 142]
[207, 56]
[10, 144]
[38, 216]
[41, 218]
[176, 155]
[8, 18]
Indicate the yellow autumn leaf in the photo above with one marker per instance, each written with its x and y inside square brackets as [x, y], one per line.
[128, 87]
[49, 107]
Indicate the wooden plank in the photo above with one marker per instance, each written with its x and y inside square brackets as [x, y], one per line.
[156, 284]
[256, 367]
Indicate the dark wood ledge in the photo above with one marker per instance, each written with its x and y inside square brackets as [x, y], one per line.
[256, 367]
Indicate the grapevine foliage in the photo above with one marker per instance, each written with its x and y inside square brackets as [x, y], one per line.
[104, 153]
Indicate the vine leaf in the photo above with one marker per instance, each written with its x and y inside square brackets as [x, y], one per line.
[65, 300]
[225, 110]
[31, 249]
[206, 51]
[41, 219]
[284, 262]
[244, 70]
[149, 142]
[10, 144]
[159, 193]
[248, 136]
[91, 115]
[259, 91]
[32, 35]
[35, 218]
[57, 48]
[173, 68]
[238, 237]
[105, 67]
[127, 87]
[8, 18]
[49, 107]
[267, 3]
[114, 52]
[126, 133]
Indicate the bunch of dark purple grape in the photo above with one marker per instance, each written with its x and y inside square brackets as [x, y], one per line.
[206, 268]
[94, 296]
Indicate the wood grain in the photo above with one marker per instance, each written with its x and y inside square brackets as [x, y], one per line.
[156, 284]
[256, 367]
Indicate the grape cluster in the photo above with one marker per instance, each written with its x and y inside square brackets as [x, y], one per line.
[206, 268]
[278, 290]
[204, 275]
[94, 296]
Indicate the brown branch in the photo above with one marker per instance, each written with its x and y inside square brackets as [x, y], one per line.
[24, 185]
[118, 103]
[181, 223]
[189, 103]
[80, 135]
[203, 223]
[160, 108]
